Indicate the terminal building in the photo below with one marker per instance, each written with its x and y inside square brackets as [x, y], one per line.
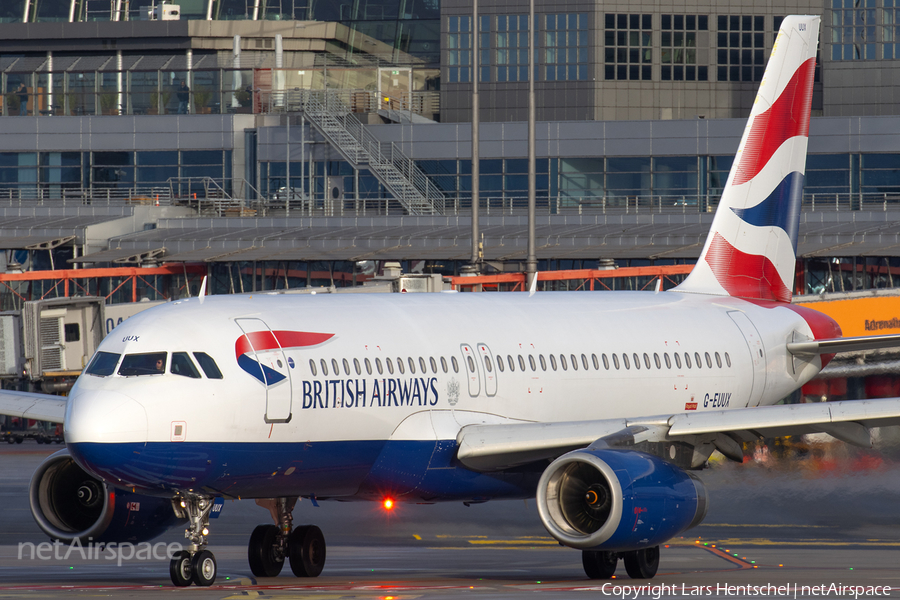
[287, 143]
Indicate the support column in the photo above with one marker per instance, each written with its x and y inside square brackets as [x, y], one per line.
[531, 263]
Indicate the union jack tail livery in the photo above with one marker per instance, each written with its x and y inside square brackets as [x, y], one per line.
[752, 245]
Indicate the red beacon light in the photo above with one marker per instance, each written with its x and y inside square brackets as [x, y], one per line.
[387, 504]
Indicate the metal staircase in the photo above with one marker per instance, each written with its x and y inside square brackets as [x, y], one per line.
[346, 133]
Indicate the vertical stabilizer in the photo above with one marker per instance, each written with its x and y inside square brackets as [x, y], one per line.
[752, 245]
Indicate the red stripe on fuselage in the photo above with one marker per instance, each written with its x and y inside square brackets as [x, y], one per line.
[745, 275]
[269, 340]
[787, 117]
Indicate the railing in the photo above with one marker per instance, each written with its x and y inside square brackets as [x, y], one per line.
[246, 200]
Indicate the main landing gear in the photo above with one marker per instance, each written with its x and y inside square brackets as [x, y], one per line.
[196, 564]
[269, 545]
[640, 564]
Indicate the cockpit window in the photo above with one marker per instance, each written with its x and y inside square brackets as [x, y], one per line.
[182, 365]
[209, 365]
[104, 364]
[151, 363]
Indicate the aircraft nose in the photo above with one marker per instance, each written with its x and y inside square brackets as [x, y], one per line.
[102, 416]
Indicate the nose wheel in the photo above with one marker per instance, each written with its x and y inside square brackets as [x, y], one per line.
[196, 564]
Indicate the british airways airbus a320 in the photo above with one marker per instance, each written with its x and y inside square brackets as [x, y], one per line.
[600, 405]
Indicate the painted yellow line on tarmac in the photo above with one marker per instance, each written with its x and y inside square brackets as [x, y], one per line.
[809, 542]
[538, 542]
[418, 537]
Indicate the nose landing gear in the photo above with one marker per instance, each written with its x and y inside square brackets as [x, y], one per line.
[269, 545]
[196, 564]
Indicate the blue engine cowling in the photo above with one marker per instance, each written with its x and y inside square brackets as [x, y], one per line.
[612, 499]
[69, 504]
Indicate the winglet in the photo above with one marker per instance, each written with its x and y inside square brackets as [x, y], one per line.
[752, 245]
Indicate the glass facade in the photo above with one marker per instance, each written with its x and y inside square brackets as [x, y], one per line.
[678, 48]
[565, 47]
[741, 45]
[628, 47]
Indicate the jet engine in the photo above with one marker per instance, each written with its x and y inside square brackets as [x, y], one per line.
[69, 504]
[614, 499]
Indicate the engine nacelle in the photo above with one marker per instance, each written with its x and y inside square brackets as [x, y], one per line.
[618, 500]
[69, 504]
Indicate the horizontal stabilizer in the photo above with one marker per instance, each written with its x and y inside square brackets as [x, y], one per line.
[847, 344]
[40, 407]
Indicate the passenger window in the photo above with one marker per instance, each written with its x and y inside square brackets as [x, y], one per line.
[356, 366]
[500, 365]
[596, 364]
[389, 365]
[585, 363]
[615, 360]
[697, 360]
[727, 360]
[687, 360]
[336, 368]
[708, 360]
[606, 362]
[433, 364]
[647, 360]
[532, 363]
[210, 369]
[574, 361]
[324, 365]
[487, 364]
[444, 364]
[412, 365]
[312, 366]
[400, 366]
[150, 363]
[625, 361]
[511, 362]
[552, 362]
[104, 364]
[183, 365]
[656, 360]
[522, 363]
[562, 362]
[637, 361]
[677, 359]
[422, 365]
[455, 364]
[543, 362]
[378, 366]
[471, 363]
[346, 367]
[668, 360]
[368, 366]
[718, 360]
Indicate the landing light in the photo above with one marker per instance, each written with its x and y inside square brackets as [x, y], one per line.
[388, 504]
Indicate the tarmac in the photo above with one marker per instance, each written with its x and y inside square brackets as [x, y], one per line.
[789, 528]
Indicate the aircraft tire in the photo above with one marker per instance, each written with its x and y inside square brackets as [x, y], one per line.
[203, 568]
[642, 564]
[180, 568]
[306, 548]
[599, 564]
[261, 552]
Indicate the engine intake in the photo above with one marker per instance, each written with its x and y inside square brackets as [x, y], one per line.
[618, 500]
[68, 504]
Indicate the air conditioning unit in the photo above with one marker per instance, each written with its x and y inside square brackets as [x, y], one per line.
[163, 12]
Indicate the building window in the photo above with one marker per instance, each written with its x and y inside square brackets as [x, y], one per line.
[678, 48]
[565, 47]
[741, 48]
[853, 29]
[459, 49]
[510, 49]
[628, 52]
[890, 32]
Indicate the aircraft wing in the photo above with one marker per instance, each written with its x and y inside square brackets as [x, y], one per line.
[844, 344]
[501, 446]
[40, 407]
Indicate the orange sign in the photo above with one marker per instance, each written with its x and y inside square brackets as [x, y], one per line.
[877, 315]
